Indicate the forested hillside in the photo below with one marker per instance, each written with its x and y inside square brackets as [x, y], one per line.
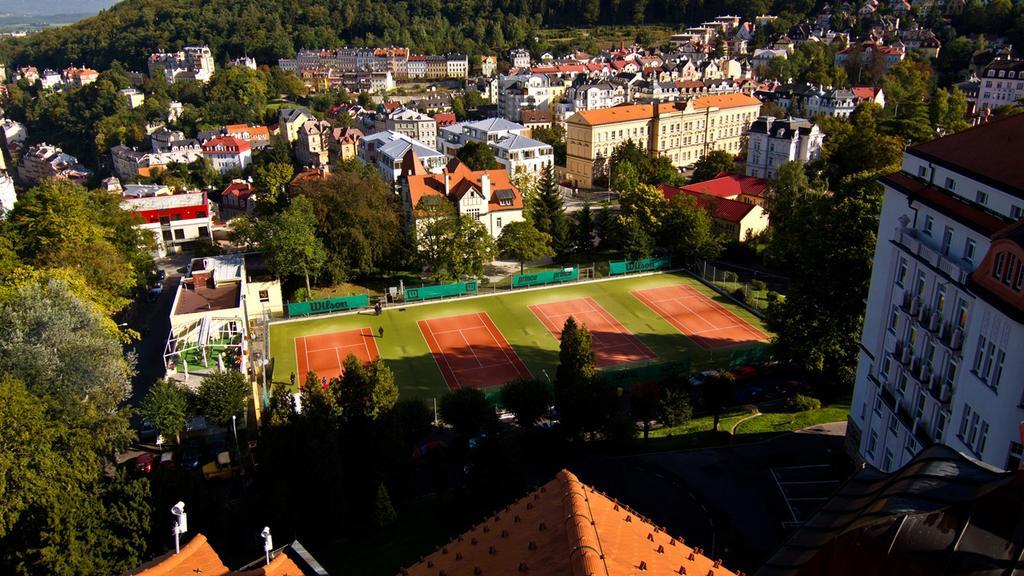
[269, 29]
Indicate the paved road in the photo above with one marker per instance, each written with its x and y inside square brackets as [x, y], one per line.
[151, 320]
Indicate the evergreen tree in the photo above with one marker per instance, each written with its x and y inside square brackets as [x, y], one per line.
[585, 403]
[383, 514]
[584, 230]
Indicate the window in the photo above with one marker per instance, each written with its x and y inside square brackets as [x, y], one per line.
[969, 247]
[167, 235]
[979, 354]
[951, 367]
[922, 281]
[164, 220]
[1014, 456]
[940, 298]
[965, 421]
[922, 171]
[204, 232]
[950, 184]
[998, 372]
[910, 445]
[901, 272]
[961, 316]
[972, 429]
[176, 217]
[919, 405]
[886, 365]
[982, 438]
[872, 443]
[929, 223]
[981, 197]
[1016, 212]
[201, 214]
[497, 222]
[894, 320]
[264, 296]
[947, 240]
[179, 234]
[940, 422]
[887, 461]
[893, 426]
[990, 356]
[878, 406]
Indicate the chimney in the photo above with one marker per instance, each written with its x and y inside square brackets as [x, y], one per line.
[485, 186]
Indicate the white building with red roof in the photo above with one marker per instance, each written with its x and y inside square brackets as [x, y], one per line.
[736, 219]
[227, 153]
[485, 195]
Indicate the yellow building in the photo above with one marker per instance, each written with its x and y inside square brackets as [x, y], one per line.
[681, 131]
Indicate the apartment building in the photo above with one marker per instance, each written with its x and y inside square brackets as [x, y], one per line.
[413, 124]
[1001, 83]
[385, 150]
[945, 311]
[313, 144]
[172, 219]
[523, 92]
[190, 63]
[44, 161]
[774, 141]
[680, 131]
[228, 153]
[512, 148]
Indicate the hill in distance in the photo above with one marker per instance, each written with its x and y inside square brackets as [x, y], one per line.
[53, 7]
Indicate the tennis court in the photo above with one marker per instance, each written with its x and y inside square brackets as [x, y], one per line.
[612, 342]
[471, 352]
[709, 324]
[324, 354]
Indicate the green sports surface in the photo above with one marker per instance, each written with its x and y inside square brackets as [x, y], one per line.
[416, 372]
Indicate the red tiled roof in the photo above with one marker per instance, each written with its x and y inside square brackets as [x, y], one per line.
[239, 189]
[229, 144]
[721, 208]
[445, 119]
[461, 180]
[566, 528]
[196, 557]
[730, 186]
[865, 92]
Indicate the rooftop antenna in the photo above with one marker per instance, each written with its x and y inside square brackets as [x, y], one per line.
[180, 524]
[268, 542]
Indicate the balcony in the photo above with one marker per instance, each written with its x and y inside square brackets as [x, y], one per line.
[908, 239]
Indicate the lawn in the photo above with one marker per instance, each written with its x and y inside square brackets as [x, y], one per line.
[417, 375]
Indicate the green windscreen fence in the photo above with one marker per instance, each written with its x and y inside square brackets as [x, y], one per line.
[646, 265]
[325, 305]
[546, 277]
[440, 291]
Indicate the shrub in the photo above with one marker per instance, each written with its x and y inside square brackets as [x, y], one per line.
[772, 296]
[729, 276]
[757, 285]
[801, 403]
[739, 294]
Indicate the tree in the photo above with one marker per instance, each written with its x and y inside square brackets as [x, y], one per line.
[522, 242]
[291, 244]
[625, 177]
[166, 407]
[383, 512]
[584, 402]
[711, 165]
[235, 94]
[789, 189]
[717, 392]
[906, 93]
[365, 392]
[953, 59]
[645, 204]
[271, 179]
[527, 398]
[675, 408]
[584, 230]
[688, 229]
[477, 156]
[468, 411]
[222, 395]
[632, 237]
[644, 403]
[549, 212]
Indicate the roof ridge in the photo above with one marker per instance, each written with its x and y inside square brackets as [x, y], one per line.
[585, 553]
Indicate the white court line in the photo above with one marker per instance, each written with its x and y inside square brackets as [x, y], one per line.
[498, 344]
[620, 328]
[440, 352]
[471, 351]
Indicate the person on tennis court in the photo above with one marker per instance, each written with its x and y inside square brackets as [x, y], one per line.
[380, 331]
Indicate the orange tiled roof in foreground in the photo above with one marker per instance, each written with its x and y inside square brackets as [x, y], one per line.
[566, 528]
[632, 112]
[460, 181]
[198, 557]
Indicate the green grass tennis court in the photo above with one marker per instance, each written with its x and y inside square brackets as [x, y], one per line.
[481, 341]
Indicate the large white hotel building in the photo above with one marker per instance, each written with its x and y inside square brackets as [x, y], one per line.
[942, 352]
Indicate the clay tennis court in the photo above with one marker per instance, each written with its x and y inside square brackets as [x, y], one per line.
[698, 317]
[471, 352]
[612, 342]
[325, 353]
